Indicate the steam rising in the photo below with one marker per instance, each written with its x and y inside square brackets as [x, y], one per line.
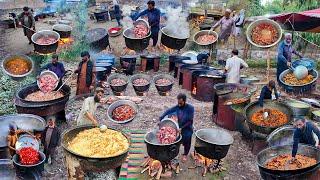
[177, 24]
[126, 22]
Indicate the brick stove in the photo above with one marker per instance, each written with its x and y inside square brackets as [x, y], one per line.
[128, 63]
[203, 82]
[185, 77]
[149, 62]
[175, 58]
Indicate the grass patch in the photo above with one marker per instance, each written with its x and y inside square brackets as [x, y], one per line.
[217, 176]
[261, 63]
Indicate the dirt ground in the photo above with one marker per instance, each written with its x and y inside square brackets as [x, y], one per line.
[240, 162]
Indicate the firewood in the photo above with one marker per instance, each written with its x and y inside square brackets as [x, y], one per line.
[145, 169]
[159, 173]
[146, 162]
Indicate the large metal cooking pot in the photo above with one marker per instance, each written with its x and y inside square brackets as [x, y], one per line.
[265, 155]
[63, 30]
[133, 43]
[27, 122]
[299, 88]
[42, 108]
[120, 103]
[13, 57]
[163, 88]
[213, 143]
[92, 163]
[161, 152]
[310, 64]
[298, 108]
[205, 32]
[253, 107]
[120, 88]
[171, 41]
[98, 38]
[39, 166]
[226, 88]
[47, 48]
[258, 22]
[281, 136]
[141, 88]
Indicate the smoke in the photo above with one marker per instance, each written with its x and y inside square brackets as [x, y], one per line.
[126, 22]
[177, 24]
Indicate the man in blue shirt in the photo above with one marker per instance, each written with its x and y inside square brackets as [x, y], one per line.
[153, 15]
[55, 66]
[184, 113]
[285, 51]
[266, 92]
[304, 134]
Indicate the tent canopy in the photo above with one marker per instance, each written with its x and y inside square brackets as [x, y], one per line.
[306, 21]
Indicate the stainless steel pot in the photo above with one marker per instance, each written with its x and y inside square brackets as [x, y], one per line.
[10, 58]
[120, 103]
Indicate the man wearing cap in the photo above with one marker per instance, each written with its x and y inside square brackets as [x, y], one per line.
[304, 134]
[226, 25]
[12, 137]
[56, 67]
[50, 138]
[86, 78]
[285, 51]
[27, 20]
[153, 15]
[89, 107]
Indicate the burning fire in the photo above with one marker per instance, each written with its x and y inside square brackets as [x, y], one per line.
[128, 51]
[201, 18]
[155, 168]
[65, 41]
[194, 90]
[211, 165]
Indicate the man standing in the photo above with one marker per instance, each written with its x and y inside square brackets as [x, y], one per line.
[86, 78]
[266, 92]
[184, 113]
[117, 13]
[285, 51]
[27, 20]
[50, 138]
[226, 25]
[304, 134]
[89, 107]
[153, 15]
[233, 66]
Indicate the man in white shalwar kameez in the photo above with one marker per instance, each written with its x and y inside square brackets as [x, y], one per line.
[233, 66]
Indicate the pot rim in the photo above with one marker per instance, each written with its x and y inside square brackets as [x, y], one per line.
[52, 32]
[62, 25]
[90, 127]
[254, 23]
[288, 70]
[165, 76]
[158, 144]
[143, 76]
[24, 57]
[119, 103]
[219, 129]
[209, 31]
[173, 36]
[146, 37]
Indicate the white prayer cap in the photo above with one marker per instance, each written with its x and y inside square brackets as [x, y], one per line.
[228, 10]
[287, 35]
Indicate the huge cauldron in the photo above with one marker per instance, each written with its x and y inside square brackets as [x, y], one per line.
[299, 88]
[92, 163]
[63, 30]
[45, 48]
[98, 39]
[268, 104]
[161, 152]
[171, 41]
[213, 143]
[42, 108]
[163, 89]
[136, 44]
[141, 88]
[304, 173]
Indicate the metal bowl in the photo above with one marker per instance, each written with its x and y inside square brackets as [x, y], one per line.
[47, 72]
[119, 103]
[257, 22]
[45, 48]
[16, 161]
[27, 140]
[205, 32]
[253, 107]
[163, 88]
[314, 73]
[281, 136]
[13, 57]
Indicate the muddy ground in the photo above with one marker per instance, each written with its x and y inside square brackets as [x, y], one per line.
[240, 162]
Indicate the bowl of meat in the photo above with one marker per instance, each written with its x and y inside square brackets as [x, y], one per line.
[17, 66]
[205, 37]
[163, 83]
[264, 33]
[122, 111]
[45, 41]
[47, 81]
[118, 82]
[137, 38]
[141, 82]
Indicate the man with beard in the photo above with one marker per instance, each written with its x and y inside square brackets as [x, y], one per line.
[89, 107]
[85, 80]
[27, 20]
[285, 51]
[226, 26]
[184, 113]
[304, 134]
[56, 67]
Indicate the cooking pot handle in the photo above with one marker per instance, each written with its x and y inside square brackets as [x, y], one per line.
[173, 148]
